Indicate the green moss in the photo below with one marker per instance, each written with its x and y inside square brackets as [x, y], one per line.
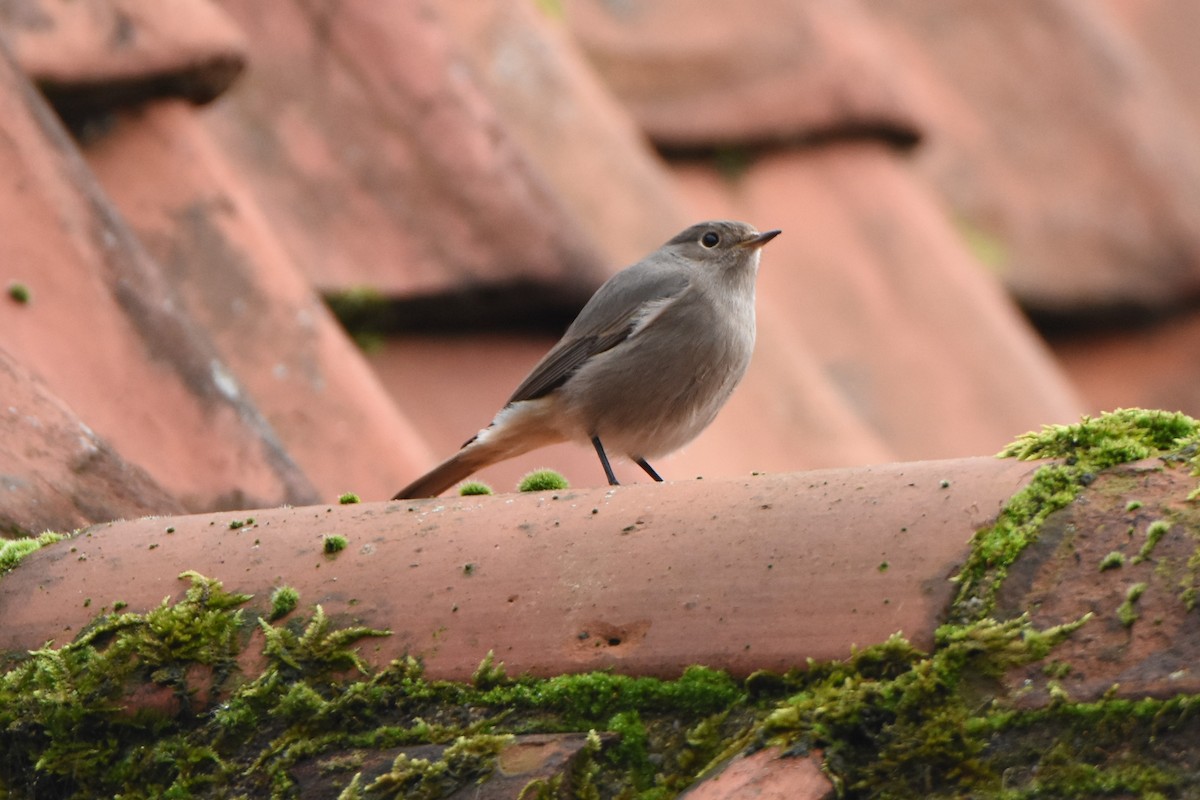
[995, 549]
[62, 724]
[1127, 611]
[1133, 505]
[1057, 669]
[552, 9]
[1082, 450]
[19, 293]
[349, 498]
[283, 601]
[357, 304]
[1112, 561]
[1118, 437]
[474, 488]
[579, 783]
[1188, 597]
[333, 543]
[1154, 532]
[989, 249]
[542, 480]
[732, 162]
[892, 721]
[366, 313]
[13, 550]
[465, 761]
[633, 747]
[895, 722]
[594, 697]
[1189, 589]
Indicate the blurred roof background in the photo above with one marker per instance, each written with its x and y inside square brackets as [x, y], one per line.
[989, 216]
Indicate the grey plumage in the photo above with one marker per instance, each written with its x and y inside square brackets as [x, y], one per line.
[643, 369]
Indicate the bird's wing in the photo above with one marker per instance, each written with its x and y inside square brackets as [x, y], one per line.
[608, 319]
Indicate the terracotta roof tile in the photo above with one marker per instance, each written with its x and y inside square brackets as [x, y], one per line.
[227, 270]
[58, 475]
[88, 55]
[557, 107]
[104, 333]
[1070, 163]
[765, 775]
[745, 575]
[381, 162]
[871, 283]
[697, 76]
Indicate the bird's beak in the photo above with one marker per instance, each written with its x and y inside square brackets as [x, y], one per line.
[755, 242]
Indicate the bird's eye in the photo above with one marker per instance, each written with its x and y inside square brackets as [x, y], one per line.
[710, 239]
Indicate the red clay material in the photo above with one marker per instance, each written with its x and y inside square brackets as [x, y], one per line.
[765, 775]
[759, 573]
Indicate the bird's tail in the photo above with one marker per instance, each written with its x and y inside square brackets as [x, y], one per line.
[518, 428]
[446, 474]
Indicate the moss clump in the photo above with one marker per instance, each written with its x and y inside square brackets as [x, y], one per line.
[283, 601]
[19, 293]
[1117, 437]
[13, 550]
[1154, 532]
[471, 488]
[66, 730]
[349, 498]
[333, 543]
[1083, 450]
[62, 724]
[366, 313]
[542, 480]
[893, 720]
[1127, 611]
[1188, 585]
[464, 762]
[1112, 561]
[358, 305]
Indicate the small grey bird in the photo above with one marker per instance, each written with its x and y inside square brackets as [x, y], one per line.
[645, 366]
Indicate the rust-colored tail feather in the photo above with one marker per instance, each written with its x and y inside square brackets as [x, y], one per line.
[446, 474]
[518, 428]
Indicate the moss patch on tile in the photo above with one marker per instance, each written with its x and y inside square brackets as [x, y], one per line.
[67, 731]
[542, 480]
[892, 721]
[1082, 450]
[283, 601]
[365, 312]
[13, 550]
[333, 543]
[474, 488]
[19, 293]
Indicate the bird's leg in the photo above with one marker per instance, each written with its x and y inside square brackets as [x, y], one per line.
[641, 462]
[608, 471]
